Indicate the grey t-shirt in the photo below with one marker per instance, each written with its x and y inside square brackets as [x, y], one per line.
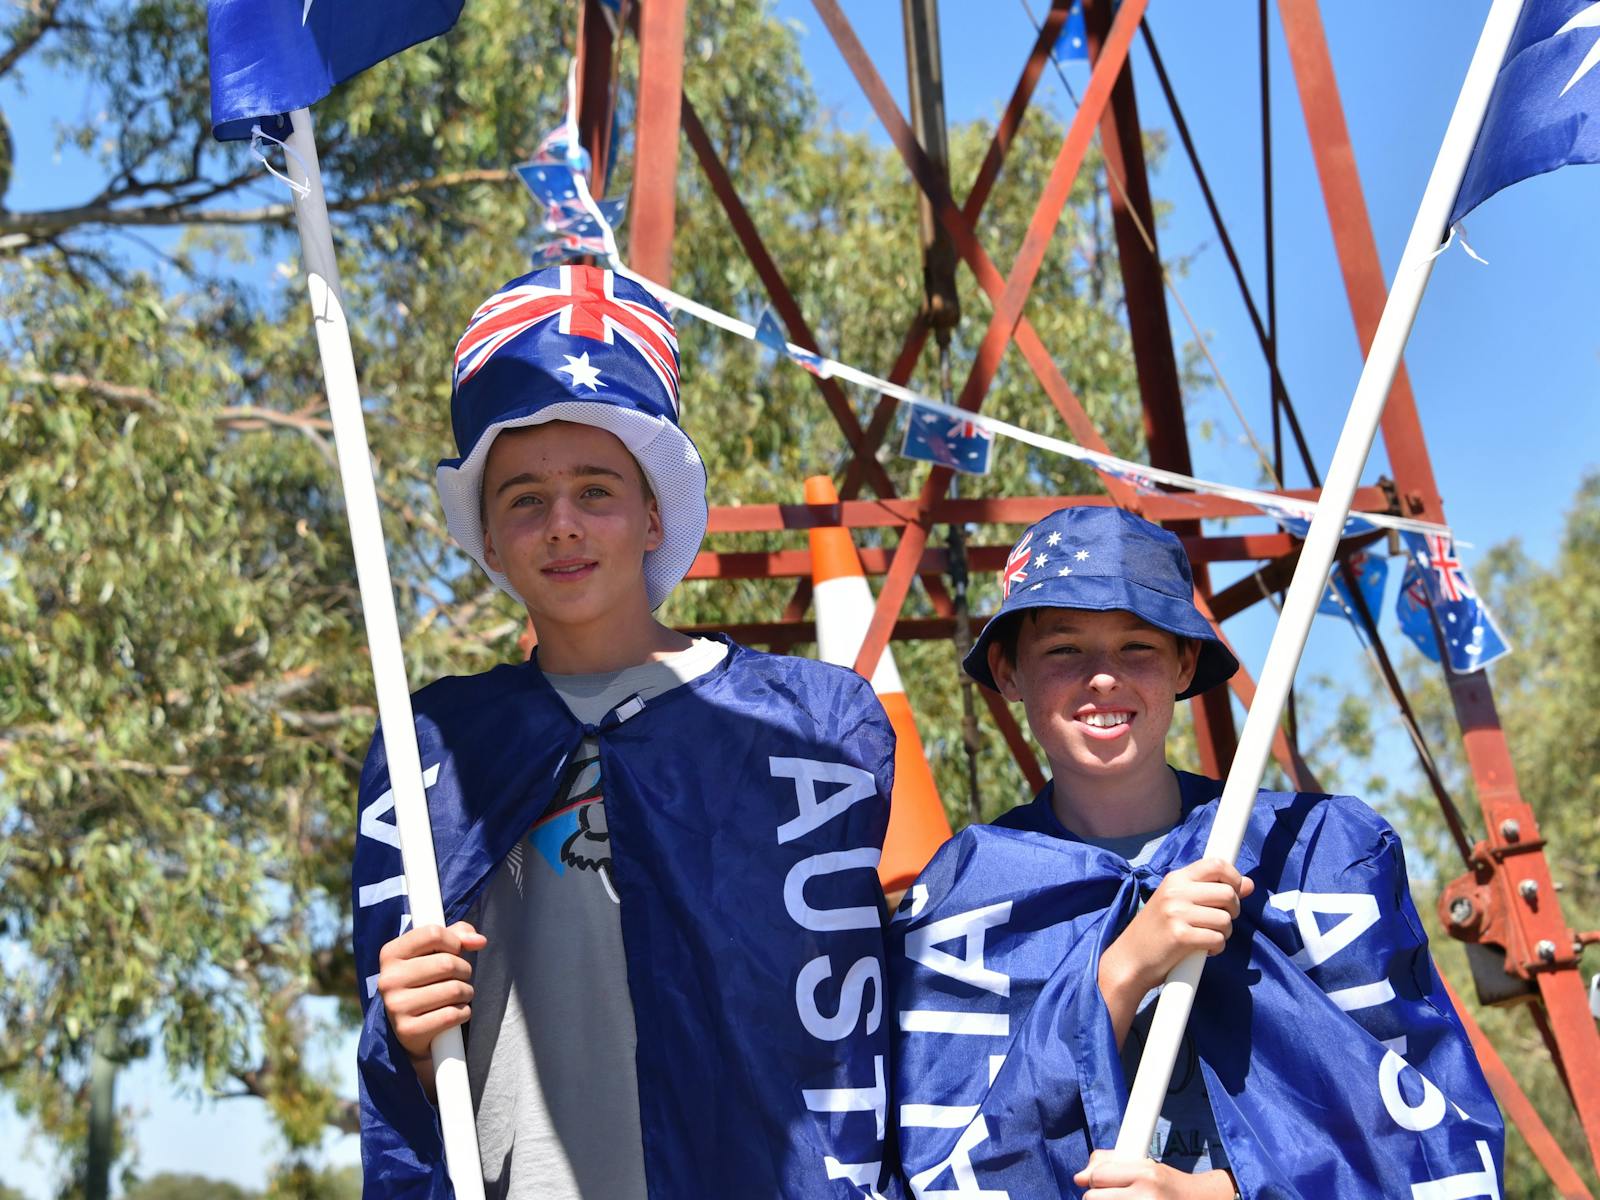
[550, 1048]
[1186, 1132]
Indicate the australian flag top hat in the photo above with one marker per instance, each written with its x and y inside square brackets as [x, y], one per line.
[1100, 558]
[580, 344]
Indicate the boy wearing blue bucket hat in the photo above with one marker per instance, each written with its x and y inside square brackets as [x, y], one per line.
[657, 853]
[1323, 1057]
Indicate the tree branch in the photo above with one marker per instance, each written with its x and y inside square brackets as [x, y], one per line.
[243, 418]
[18, 230]
[346, 1116]
[43, 21]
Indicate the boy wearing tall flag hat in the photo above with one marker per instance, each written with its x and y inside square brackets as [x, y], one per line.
[664, 926]
[1323, 1057]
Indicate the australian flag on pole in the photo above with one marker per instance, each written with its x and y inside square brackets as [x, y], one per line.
[954, 442]
[1545, 109]
[270, 57]
[1436, 581]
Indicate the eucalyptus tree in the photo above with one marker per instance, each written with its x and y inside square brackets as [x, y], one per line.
[184, 696]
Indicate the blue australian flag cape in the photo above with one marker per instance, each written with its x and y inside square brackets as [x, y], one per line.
[747, 811]
[1333, 1060]
[270, 57]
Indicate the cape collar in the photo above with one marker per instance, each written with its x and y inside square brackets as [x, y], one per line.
[1198, 796]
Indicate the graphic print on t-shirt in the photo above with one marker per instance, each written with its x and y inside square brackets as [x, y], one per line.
[572, 832]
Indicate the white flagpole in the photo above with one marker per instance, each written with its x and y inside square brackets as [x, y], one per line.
[383, 631]
[1316, 558]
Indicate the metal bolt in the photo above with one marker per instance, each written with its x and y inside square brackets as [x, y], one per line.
[1529, 890]
[1460, 910]
[1510, 830]
[1546, 950]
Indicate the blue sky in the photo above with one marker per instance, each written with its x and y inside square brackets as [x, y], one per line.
[1504, 359]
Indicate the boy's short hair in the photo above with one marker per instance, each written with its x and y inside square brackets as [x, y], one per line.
[1099, 559]
[586, 345]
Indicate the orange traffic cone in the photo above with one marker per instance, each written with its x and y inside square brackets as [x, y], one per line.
[917, 824]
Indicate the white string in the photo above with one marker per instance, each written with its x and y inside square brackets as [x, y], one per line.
[259, 135]
[1268, 502]
[1457, 231]
[1461, 228]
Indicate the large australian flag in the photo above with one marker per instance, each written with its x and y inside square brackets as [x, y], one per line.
[1545, 109]
[270, 57]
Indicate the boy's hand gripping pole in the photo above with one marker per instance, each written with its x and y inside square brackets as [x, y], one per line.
[383, 631]
[1316, 558]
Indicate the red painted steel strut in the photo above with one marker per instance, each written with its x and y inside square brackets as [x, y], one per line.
[655, 153]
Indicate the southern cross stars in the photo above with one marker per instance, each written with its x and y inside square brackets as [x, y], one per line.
[1584, 18]
[1064, 571]
[1053, 540]
[582, 373]
[1081, 555]
[1040, 559]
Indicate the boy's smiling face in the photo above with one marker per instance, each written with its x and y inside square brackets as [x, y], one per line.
[1099, 690]
[568, 520]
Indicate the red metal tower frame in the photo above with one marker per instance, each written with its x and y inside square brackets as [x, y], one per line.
[1507, 901]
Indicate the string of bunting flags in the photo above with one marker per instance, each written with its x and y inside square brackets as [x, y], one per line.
[1435, 591]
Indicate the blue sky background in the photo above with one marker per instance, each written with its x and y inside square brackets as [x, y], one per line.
[1504, 359]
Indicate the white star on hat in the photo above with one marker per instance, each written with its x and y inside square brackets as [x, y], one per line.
[1081, 555]
[1040, 559]
[582, 373]
[1053, 540]
[1064, 571]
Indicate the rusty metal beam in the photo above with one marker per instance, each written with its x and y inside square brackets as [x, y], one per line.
[1144, 288]
[875, 560]
[994, 158]
[595, 50]
[1006, 510]
[778, 291]
[972, 253]
[1569, 1027]
[863, 463]
[863, 451]
[1518, 1107]
[655, 155]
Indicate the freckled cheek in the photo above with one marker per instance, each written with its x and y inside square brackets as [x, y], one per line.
[1053, 701]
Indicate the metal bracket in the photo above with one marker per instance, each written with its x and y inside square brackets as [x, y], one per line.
[1481, 909]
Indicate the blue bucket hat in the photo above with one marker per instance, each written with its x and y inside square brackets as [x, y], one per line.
[1099, 559]
[584, 345]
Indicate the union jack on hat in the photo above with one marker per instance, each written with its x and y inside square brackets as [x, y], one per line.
[579, 344]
